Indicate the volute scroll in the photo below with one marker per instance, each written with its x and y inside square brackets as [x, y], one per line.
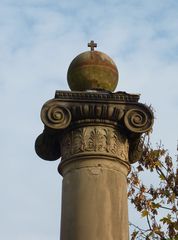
[138, 120]
[55, 116]
[47, 146]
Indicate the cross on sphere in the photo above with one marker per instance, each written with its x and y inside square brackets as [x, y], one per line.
[92, 45]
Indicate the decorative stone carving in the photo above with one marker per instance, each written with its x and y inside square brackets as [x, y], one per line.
[55, 116]
[138, 120]
[94, 106]
[93, 122]
[94, 140]
[135, 149]
[94, 96]
[98, 112]
[47, 146]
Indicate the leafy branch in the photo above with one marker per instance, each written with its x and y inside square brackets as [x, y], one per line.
[150, 200]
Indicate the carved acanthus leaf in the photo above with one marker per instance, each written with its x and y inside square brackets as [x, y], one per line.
[94, 140]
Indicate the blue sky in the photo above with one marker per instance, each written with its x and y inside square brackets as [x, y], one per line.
[38, 40]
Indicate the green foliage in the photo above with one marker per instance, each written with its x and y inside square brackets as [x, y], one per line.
[157, 205]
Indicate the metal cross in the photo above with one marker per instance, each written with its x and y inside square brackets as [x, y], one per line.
[92, 45]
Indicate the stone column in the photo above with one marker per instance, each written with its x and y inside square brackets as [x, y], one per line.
[97, 134]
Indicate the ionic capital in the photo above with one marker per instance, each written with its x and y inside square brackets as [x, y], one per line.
[72, 120]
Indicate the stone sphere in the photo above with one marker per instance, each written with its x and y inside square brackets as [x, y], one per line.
[92, 70]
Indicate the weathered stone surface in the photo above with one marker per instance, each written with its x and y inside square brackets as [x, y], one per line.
[78, 110]
[97, 134]
[94, 140]
[92, 70]
[94, 200]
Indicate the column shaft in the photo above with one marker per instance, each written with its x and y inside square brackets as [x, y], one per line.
[94, 201]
